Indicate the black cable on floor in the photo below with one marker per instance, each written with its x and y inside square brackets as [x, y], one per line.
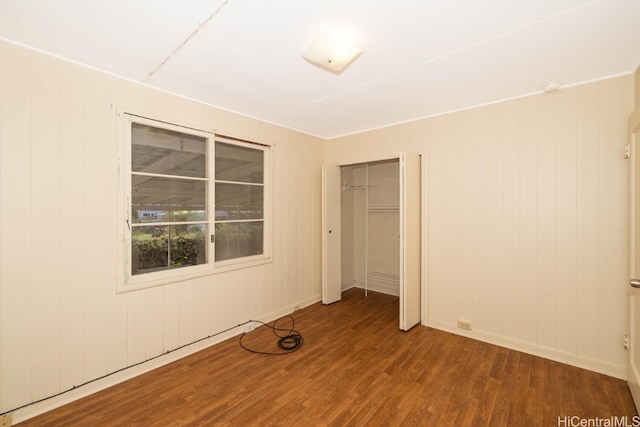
[289, 340]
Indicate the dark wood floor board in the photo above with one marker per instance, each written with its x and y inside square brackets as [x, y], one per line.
[355, 368]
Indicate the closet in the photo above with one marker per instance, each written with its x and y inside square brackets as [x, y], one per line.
[370, 218]
[372, 231]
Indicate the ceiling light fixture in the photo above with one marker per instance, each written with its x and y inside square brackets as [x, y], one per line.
[331, 53]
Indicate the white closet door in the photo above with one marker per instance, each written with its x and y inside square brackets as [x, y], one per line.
[410, 239]
[331, 236]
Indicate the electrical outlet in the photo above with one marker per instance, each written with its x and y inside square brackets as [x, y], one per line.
[6, 419]
[249, 326]
[464, 324]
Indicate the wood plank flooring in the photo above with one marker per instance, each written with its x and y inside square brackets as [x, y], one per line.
[355, 368]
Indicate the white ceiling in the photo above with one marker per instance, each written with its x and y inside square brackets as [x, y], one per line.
[420, 57]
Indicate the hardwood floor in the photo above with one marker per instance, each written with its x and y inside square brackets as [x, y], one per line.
[355, 368]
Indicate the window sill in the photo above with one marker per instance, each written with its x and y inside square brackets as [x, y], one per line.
[164, 278]
[238, 264]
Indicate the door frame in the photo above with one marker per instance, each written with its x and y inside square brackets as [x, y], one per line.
[633, 372]
[424, 296]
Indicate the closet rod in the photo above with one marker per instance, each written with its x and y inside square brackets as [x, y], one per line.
[355, 187]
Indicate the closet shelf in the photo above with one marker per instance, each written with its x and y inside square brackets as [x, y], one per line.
[384, 208]
[356, 187]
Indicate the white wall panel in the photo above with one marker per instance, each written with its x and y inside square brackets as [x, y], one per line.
[285, 229]
[153, 322]
[440, 259]
[610, 240]
[587, 176]
[186, 321]
[493, 134]
[93, 225]
[136, 327]
[170, 317]
[527, 227]
[459, 289]
[72, 246]
[546, 301]
[479, 184]
[511, 222]
[116, 308]
[310, 257]
[2, 179]
[566, 267]
[255, 296]
[201, 310]
[45, 191]
[16, 212]
[528, 263]
[61, 322]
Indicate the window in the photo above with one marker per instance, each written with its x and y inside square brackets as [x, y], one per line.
[194, 203]
[239, 218]
[168, 199]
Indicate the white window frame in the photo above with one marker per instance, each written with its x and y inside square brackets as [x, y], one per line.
[129, 282]
[233, 263]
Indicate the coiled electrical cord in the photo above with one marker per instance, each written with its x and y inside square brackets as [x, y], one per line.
[289, 342]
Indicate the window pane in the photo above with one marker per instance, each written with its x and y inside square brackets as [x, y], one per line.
[154, 246]
[167, 200]
[238, 239]
[161, 151]
[240, 164]
[238, 201]
[150, 249]
[187, 244]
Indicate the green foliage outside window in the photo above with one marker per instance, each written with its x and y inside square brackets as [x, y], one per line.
[150, 251]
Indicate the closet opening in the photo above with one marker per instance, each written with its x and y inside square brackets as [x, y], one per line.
[370, 218]
[372, 231]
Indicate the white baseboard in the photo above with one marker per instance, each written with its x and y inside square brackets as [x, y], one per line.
[615, 371]
[379, 287]
[307, 302]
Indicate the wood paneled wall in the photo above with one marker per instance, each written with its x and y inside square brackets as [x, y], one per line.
[61, 321]
[527, 219]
